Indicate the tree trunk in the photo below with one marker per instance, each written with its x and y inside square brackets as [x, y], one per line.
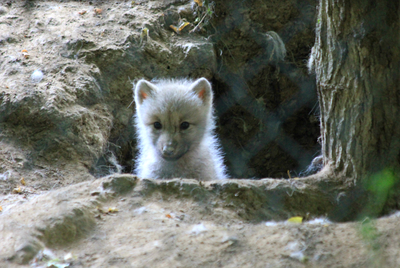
[357, 63]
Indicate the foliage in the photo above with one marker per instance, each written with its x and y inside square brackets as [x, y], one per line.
[380, 187]
[205, 11]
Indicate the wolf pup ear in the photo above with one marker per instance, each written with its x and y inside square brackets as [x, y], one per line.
[143, 90]
[202, 88]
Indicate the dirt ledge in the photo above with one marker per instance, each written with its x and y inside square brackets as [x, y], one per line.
[69, 214]
[56, 218]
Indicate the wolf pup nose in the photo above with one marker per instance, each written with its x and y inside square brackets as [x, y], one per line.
[175, 130]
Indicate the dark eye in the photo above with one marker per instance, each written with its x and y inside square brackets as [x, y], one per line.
[185, 125]
[157, 125]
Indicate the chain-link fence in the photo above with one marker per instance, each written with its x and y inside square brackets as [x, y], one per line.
[266, 89]
[265, 99]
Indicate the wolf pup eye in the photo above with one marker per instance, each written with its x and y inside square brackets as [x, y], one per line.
[157, 125]
[185, 125]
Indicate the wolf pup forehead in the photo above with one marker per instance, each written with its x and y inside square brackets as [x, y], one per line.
[175, 130]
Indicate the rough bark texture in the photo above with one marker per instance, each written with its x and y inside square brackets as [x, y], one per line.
[357, 64]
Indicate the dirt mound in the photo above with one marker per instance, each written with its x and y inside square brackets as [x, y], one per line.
[122, 221]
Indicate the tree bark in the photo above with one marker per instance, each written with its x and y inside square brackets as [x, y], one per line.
[356, 58]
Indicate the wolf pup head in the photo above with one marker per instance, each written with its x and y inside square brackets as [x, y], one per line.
[173, 117]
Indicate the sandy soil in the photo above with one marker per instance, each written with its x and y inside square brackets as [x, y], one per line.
[122, 221]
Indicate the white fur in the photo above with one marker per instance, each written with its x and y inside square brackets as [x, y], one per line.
[171, 102]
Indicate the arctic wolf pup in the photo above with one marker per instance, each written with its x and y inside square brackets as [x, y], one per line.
[175, 125]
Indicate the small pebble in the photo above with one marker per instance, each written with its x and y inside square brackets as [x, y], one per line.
[3, 10]
[37, 76]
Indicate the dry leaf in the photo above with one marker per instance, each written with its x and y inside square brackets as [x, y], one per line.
[1, 208]
[16, 190]
[181, 26]
[174, 28]
[168, 216]
[112, 210]
[25, 53]
[144, 33]
[98, 11]
[199, 2]
[22, 181]
[82, 12]
[295, 220]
